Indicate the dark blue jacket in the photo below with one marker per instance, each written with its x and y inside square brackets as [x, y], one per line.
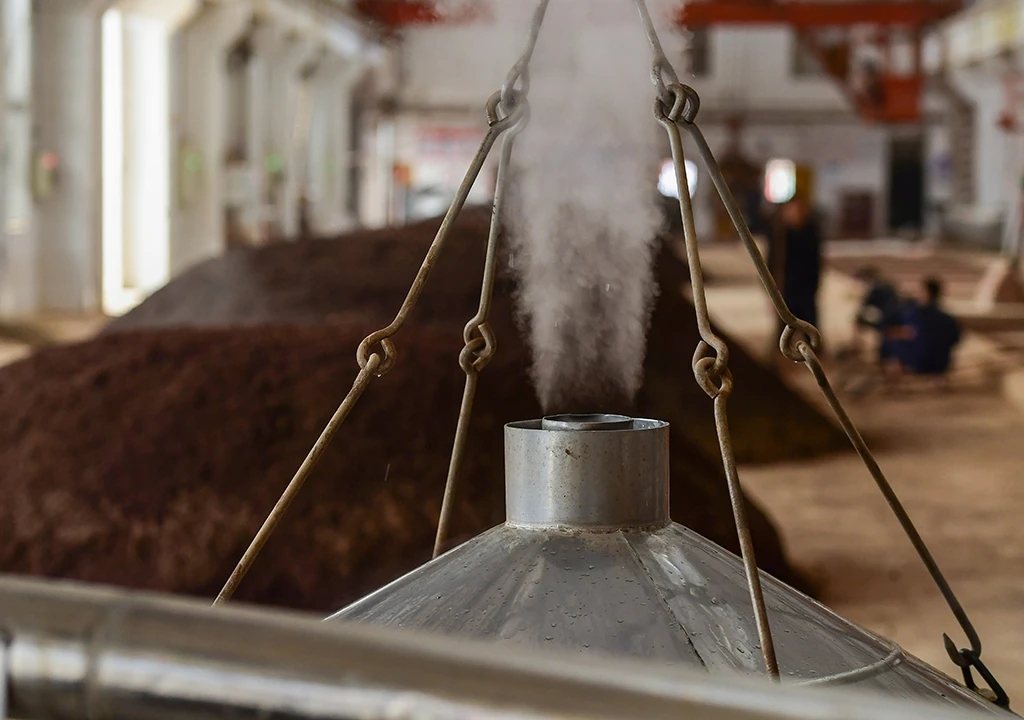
[929, 350]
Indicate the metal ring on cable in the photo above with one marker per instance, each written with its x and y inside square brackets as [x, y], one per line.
[966, 660]
[387, 359]
[683, 107]
[685, 103]
[789, 342]
[509, 93]
[501, 116]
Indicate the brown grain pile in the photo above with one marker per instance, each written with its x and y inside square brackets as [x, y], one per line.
[363, 277]
[148, 459]
[149, 456]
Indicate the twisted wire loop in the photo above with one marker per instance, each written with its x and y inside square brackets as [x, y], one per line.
[711, 370]
[480, 343]
[376, 354]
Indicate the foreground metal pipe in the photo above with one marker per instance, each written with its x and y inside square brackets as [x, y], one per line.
[76, 652]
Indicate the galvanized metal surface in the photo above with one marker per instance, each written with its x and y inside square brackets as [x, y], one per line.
[77, 652]
[611, 473]
[669, 595]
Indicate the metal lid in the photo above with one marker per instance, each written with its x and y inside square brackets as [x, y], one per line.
[592, 472]
[589, 561]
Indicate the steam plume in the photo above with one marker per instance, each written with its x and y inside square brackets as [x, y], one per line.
[587, 216]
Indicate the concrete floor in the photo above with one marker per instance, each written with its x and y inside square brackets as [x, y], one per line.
[955, 457]
[18, 338]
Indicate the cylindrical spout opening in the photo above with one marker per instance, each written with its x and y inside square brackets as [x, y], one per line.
[587, 421]
[592, 472]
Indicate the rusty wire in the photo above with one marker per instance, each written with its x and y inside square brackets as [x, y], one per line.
[676, 107]
[674, 103]
[479, 338]
[375, 364]
[662, 67]
[966, 658]
[362, 381]
[517, 83]
[711, 370]
[798, 342]
[795, 328]
[497, 124]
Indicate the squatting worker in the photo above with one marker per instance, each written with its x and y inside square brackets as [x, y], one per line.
[929, 333]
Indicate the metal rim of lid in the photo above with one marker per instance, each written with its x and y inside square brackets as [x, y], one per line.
[587, 421]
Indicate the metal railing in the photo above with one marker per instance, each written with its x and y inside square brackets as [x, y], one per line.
[69, 651]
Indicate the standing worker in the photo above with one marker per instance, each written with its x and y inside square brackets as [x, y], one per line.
[795, 257]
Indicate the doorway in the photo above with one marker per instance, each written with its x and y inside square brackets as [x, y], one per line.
[906, 184]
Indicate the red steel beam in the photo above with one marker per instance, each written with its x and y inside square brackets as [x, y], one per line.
[396, 13]
[815, 13]
[399, 13]
[701, 13]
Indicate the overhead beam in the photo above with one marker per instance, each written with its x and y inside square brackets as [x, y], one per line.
[815, 13]
[396, 13]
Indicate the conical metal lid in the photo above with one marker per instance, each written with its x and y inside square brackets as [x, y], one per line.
[588, 559]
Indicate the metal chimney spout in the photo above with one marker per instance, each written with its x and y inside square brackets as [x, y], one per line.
[587, 472]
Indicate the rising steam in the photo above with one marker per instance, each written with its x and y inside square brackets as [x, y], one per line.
[584, 227]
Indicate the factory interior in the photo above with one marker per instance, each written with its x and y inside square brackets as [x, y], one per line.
[506, 359]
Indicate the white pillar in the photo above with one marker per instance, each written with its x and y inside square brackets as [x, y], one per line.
[330, 152]
[199, 100]
[147, 145]
[289, 127]
[66, 104]
[17, 250]
[7, 41]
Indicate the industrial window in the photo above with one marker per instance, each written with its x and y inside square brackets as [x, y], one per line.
[667, 184]
[779, 180]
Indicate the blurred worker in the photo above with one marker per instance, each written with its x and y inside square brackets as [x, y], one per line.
[744, 179]
[794, 254]
[929, 334]
[881, 309]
